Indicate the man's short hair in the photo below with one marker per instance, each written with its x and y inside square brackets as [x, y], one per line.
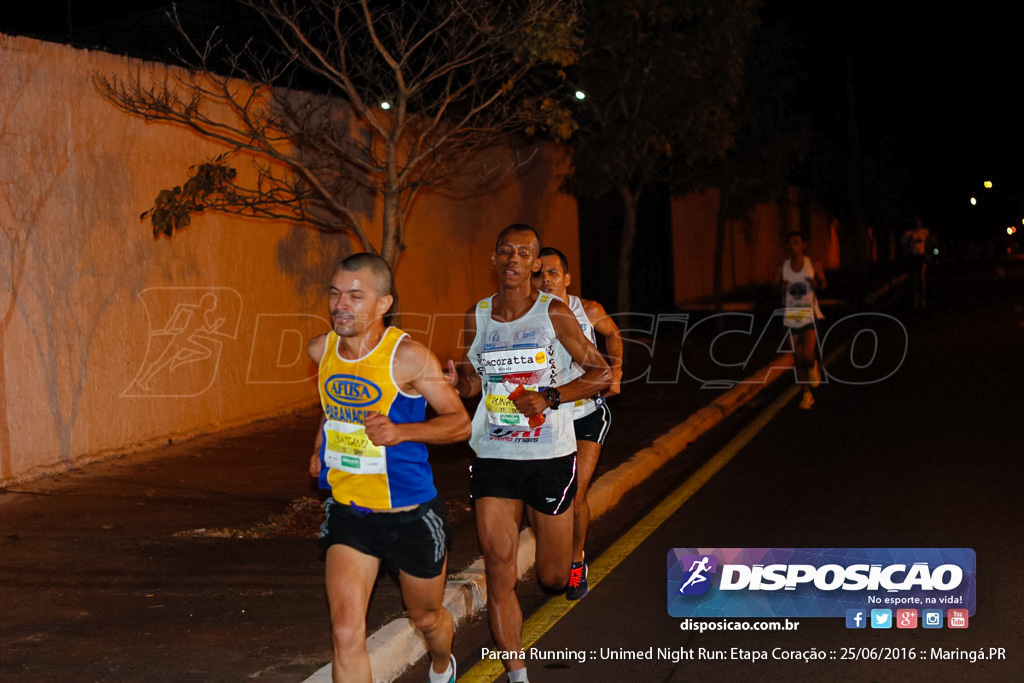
[383, 280]
[795, 233]
[516, 227]
[562, 261]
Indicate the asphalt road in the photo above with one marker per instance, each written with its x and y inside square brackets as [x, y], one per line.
[926, 457]
[186, 563]
[102, 577]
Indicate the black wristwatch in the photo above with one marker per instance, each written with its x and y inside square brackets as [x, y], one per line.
[554, 397]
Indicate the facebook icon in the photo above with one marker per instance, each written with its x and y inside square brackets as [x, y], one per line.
[856, 618]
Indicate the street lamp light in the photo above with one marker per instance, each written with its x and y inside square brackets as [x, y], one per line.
[988, 184]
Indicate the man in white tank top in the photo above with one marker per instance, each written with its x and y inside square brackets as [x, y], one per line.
[522, 337]
[801, 279]
[592, 417]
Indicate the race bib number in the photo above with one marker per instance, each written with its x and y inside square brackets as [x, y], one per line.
[501, 411]
[501, 372]
[802, 315]
[347, 448]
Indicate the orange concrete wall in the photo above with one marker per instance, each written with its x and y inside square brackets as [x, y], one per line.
[447, 266]
[753, 248]
[111, 340]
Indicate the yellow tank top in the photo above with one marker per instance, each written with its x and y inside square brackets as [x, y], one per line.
[355, 470]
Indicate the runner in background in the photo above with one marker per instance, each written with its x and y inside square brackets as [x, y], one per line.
[915, 252]
[591, 416]
[801, 280]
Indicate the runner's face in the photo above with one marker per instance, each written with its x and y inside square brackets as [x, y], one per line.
[515, 258]
[550, 277]
[353, 302]
[796, 245]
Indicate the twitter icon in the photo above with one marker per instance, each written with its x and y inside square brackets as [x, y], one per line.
[881, 618]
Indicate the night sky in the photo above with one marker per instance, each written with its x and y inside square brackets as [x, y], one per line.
[934, 92]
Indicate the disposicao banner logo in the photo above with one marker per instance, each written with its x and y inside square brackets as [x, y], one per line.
[817, 582]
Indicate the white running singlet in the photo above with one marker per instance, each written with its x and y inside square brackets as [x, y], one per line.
[505, 354]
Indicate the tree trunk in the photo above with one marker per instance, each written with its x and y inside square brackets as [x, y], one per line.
[6, 466]
[391, 247]
[721, 219]
[858, 234]
[629, 206]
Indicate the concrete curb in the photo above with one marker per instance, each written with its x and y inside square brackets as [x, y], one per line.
[396, 646]
[609, 489]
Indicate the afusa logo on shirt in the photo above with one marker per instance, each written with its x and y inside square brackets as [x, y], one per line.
[352, 391]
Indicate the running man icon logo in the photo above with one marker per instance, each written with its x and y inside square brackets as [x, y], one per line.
[695, 581]
[188, 328]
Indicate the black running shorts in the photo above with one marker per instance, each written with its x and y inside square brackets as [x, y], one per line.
[594, 427]
[548, 486]
[414, 541]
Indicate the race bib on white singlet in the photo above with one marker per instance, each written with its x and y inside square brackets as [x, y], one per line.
[799, 316]
[503, 371]
[347, 448]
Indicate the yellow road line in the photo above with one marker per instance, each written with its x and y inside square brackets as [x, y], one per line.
[489, 670]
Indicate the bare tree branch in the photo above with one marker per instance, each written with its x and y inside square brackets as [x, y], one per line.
[347, 99]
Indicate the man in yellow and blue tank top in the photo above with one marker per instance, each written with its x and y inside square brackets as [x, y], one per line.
[375, 383]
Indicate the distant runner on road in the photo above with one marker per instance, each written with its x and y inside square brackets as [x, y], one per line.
[801, 279]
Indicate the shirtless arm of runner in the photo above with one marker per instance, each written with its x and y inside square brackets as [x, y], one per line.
[596, 377]
[606, 327]
[417, 371]
[783, 283]
[314, 460]
[463, 377]
[315, 349]
[820, 282]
